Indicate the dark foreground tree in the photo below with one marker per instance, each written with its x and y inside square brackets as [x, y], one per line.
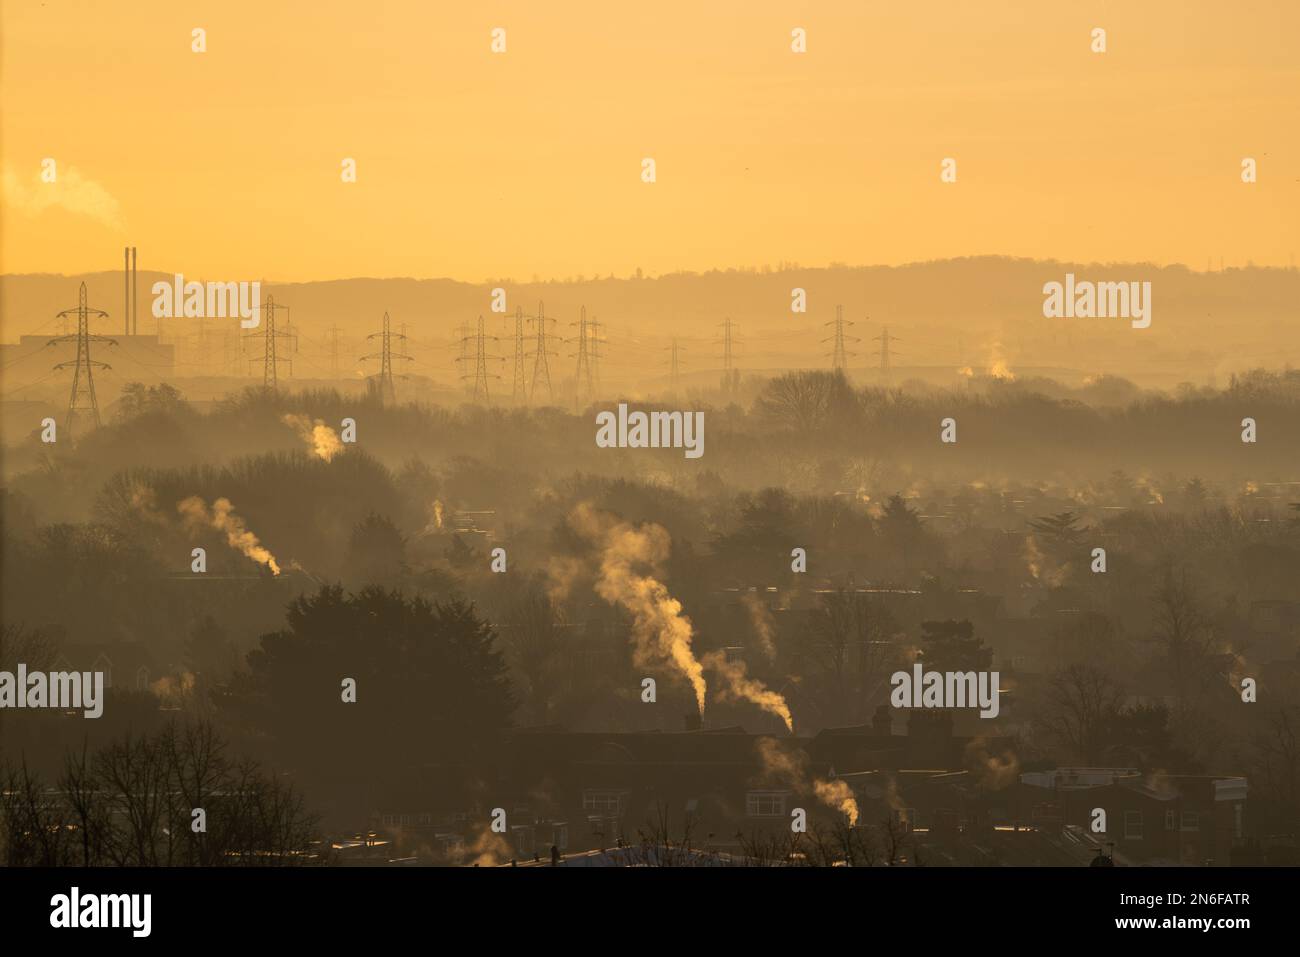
[359, 683]
[175, 798]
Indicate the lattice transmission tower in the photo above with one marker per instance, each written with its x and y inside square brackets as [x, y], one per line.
[839, 354]
[272, 336]
[82, 401]
[541, 354]
[730, 374]
[519, 383]
[886, 355]
[480, 375]
[583, 384]
[675, 368]
[382, 382]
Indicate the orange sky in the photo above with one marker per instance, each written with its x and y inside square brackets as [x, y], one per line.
[474, 165]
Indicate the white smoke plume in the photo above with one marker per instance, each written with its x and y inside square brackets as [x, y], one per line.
[791, 768]
[630, 559]
[323, 441]
[562, 573]
[1041, 566]
[764, 627]
[998, 367]
[662, 635]
[738, 685]
[488, 849]
[991, 772]
[222, 517]
[838, 795]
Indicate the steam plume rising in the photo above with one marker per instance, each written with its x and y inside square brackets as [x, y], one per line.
[562, 572]
[662, 634]
[761, 619]
[223, 518]
[838, 795]
[435, 518]
[736, 684]
[1041, 567]
[488, 849]
[791, 768]
[991, 772]
[323, 440]
[142, 498]
[998, 367]
[1146, 484]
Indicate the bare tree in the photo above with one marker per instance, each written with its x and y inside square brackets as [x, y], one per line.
[91, 816]
[805, 401]
[657, 848]
[133, 803]
[896, 836]
[18, 645]
[1082, 701]
[1183, 632]
[1279, 750]
[849, 646]
[33, 829]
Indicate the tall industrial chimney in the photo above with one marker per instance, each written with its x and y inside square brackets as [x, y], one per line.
[126, 288]
[135, 296]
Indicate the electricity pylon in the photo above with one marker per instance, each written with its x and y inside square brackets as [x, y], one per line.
[82, 400]
[730, 374]
[583, 387]
[594, 342]
[462, 332]
[886, 356]
[382, 382]
[675, 374]
[541, 368]
[270, 353]
[519, 389]
[480, 374]
[839, 356]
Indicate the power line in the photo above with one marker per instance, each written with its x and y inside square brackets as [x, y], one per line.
[334, 350]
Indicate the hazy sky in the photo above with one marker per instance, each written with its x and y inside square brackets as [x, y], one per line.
[470, 164]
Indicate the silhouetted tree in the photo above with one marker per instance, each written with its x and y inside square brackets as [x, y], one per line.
[534, 648]
[847, 645]
[900, 527]
[132, 803]
[806, 401]
[429, 683]
[376, 552]
[1083, 704]
[1183, 633]
[1060, 536]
